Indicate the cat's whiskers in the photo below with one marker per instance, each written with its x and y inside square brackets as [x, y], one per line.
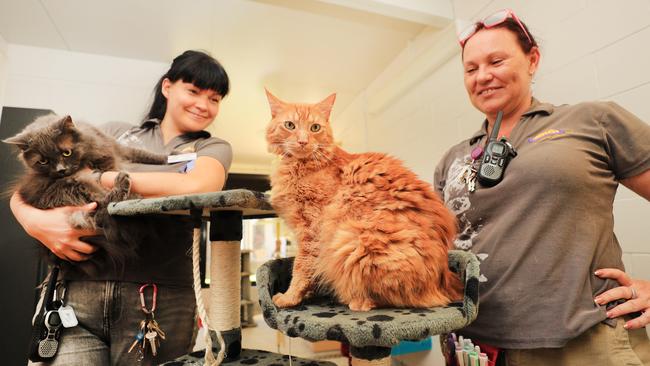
[284, 154]
[284, 148]
[319, 155]
[315, 155]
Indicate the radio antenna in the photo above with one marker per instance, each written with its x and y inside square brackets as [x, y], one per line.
[497, 125]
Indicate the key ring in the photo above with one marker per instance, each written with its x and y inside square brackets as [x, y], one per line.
[143, 303]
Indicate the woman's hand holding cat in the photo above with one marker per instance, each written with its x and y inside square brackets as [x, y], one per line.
[53, 229]
[636, 292]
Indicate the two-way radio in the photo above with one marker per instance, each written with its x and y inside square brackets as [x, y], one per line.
[498, 154]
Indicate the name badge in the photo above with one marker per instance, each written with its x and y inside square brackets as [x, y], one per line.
[171, 159]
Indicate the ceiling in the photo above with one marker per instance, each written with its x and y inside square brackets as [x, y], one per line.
[302, 50]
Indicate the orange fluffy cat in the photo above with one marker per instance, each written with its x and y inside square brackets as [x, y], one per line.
[366, 226]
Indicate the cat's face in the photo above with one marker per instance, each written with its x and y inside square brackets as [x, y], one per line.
[300, 131]
[50, 146]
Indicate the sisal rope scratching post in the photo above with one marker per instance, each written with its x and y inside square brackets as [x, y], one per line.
[224, 300]
[225, 296]
[225, 286]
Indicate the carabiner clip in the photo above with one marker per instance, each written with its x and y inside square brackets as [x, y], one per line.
[143, 303]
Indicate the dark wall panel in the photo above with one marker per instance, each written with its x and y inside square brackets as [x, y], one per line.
[20, 269]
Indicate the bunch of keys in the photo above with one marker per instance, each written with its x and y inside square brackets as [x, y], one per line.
[469, 173]
[149, 333]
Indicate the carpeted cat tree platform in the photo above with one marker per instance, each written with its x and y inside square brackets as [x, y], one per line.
[370, 334]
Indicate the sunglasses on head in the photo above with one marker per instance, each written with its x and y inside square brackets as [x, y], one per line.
[489, 22]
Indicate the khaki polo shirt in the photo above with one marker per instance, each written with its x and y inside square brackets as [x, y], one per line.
[164, 255]
[543, 230]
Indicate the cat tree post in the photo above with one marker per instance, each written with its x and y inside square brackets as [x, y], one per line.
[370, 356]
[224, 299]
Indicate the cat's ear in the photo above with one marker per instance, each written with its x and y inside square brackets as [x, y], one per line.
[275, 103]
[18, 140]
[67, 124]
[325, 106]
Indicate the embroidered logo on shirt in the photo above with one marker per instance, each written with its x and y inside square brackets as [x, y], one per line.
[547, 135]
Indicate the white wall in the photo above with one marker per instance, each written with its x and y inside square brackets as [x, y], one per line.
[412, 109]
[3, 70]
[89, 87]
[591, 50]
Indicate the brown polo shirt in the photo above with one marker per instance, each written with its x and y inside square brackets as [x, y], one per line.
[542, 231]
[164, 255]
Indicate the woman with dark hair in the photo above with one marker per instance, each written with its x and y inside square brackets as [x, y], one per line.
[536, 205]
[108, 305]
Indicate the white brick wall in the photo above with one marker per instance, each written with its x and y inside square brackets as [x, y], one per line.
[591, 50]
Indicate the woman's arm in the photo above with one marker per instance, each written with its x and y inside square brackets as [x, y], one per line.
[636, 291]
[208, 175]
[640, 184]
[52, 228]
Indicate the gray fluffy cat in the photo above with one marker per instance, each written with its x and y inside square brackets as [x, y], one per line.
[55, 151]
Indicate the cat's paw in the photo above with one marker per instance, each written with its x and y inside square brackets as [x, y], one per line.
[286, 300]
[362, 305]
[121, 189]
[123, 182]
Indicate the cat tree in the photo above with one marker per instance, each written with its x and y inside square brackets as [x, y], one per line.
[370, 334]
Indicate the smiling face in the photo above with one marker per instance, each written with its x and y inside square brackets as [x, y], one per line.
[189, 109]
[497, 72]
[300, 130]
